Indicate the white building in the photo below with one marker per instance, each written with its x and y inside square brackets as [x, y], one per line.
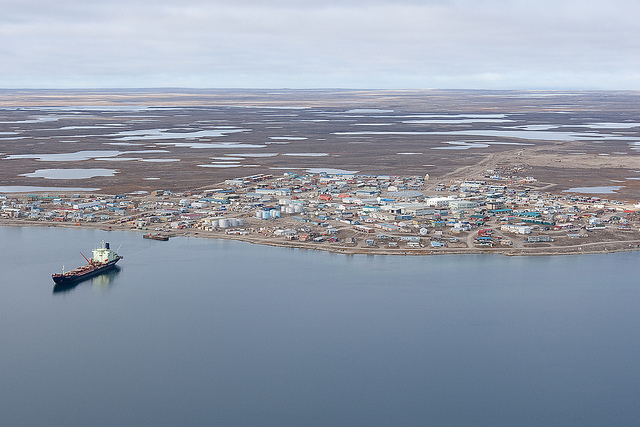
[462, 204]
[438, 202]
[516, 228]
[86, 205]
[415, 209]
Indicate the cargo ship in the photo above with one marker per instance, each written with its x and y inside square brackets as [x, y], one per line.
[103, 260]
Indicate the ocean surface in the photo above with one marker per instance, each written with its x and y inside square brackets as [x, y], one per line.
[210, 332]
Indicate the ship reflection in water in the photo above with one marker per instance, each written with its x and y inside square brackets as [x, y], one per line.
[101, 281]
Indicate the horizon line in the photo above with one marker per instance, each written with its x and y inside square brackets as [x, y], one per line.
[115, 88]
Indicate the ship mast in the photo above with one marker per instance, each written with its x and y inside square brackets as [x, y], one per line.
[88, 262]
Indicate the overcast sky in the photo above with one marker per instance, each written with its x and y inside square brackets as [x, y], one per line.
[492, 44]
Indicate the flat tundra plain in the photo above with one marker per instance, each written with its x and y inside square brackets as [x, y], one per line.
[182, 140]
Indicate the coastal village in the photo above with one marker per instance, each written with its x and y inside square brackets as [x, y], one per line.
[353, 213]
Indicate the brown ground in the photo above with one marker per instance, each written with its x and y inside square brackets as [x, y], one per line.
[556, 163]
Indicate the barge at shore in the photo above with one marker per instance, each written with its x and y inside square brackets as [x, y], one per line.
[104, 259]
[155, 236]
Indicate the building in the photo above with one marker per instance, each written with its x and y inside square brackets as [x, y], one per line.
[86, 205]
[516, 228]
[438, 202]
[462, 204]
[536, 239]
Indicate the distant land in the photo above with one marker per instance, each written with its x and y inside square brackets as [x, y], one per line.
[182, 139]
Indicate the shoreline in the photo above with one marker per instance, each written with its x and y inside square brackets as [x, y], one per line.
[582, 249]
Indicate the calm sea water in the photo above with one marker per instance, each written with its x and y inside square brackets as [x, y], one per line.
[207, 332]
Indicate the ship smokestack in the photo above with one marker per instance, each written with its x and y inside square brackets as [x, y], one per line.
[106, 245]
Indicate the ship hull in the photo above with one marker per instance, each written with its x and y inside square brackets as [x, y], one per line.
[71, 277]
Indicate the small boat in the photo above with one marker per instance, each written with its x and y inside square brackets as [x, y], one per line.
[104, 259]
[155, 236]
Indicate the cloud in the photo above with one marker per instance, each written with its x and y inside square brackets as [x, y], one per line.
[330, 43]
